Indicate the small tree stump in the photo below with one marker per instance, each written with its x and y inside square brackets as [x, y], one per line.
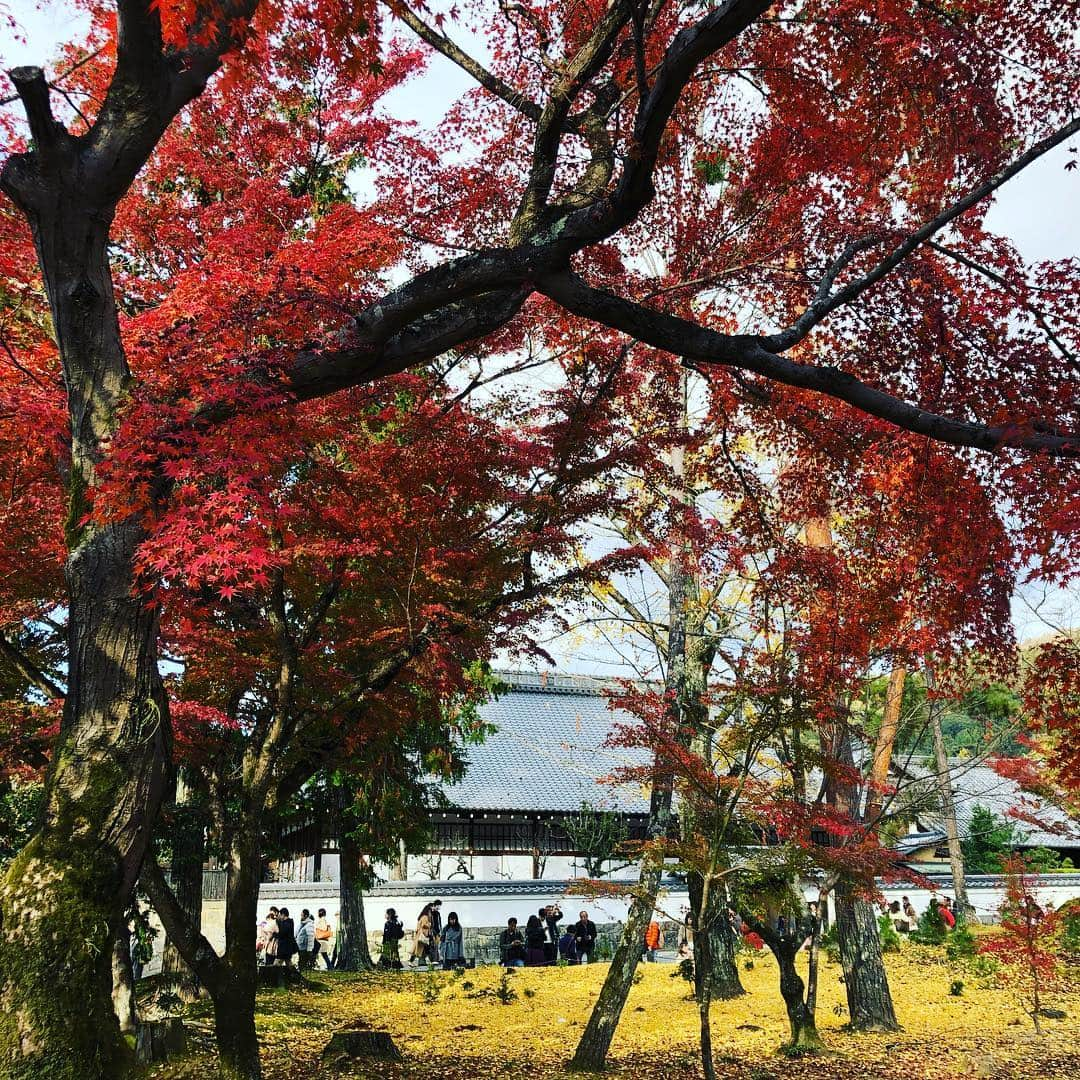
[279, 976]
[376, 1045]
[159, 1040]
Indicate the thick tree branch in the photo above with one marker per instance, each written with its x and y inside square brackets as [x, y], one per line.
[30, 671]
[699, 344]
[181, 930]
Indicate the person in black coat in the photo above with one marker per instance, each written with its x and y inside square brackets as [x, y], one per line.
[584, 931]
[286, 938]
[535, 936]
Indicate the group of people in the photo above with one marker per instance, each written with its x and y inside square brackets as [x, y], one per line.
[279, 939]
[541, 942]
[901, 913]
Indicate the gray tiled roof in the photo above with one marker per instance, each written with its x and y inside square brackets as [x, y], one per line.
[980, 785]
[548, 753]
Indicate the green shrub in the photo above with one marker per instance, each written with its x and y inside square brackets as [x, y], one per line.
[956, 988]
[931, 928]
[960, 944]
[890, 939]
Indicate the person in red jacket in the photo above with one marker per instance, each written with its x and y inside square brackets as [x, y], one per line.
[652, 941]
[946, 913]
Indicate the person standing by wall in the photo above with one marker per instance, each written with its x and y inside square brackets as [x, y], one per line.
[512, 945]
[453, 941]
[436, 930]
[393, 932]
[421, 948]
[306, 945]
[324, 938]
[552, 915]
[285, 939]
[266, 936]
[652, 941]
[585, 936]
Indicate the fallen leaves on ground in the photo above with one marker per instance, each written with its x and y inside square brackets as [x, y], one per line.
[458, 1028]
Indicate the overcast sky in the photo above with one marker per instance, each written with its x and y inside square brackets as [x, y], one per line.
[1037, 210]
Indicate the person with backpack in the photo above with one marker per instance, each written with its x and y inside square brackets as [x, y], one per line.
[393, 932]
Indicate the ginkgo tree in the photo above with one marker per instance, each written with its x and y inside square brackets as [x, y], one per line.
[834, 162]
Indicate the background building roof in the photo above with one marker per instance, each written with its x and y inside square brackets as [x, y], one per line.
[547, 753]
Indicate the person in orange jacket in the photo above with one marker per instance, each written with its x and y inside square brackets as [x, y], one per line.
[652, 941]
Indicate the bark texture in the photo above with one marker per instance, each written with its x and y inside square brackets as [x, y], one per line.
[353, 952]
[870, 1002]
[188, 839]
[718, 961]
[948, 804]
[123, 990]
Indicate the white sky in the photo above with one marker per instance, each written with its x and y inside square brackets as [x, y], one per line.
[1037, 210]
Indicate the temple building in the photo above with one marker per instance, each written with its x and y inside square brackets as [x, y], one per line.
[532, 788]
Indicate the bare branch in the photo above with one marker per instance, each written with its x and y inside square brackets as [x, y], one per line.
[822, 306]
[441, 43]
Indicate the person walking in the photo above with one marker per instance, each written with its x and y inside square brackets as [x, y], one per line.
[909, 911]
[421, 948]
[652, 941]
[512, 945]
[285, 939]
[585, 936]
[453, 941]
[436, 929]
[324, 939]
[306, 945]
[393, 932]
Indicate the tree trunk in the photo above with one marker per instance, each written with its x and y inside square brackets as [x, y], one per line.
[883, 749]
[720, 967]
[592, 1048]
[869, 1000]
[801, 1020]
[231, 979]
[123, 978]
[63, 899]
[353, 952]
[703, 972]
[188, 840]
[948, 805]
[234, 999]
